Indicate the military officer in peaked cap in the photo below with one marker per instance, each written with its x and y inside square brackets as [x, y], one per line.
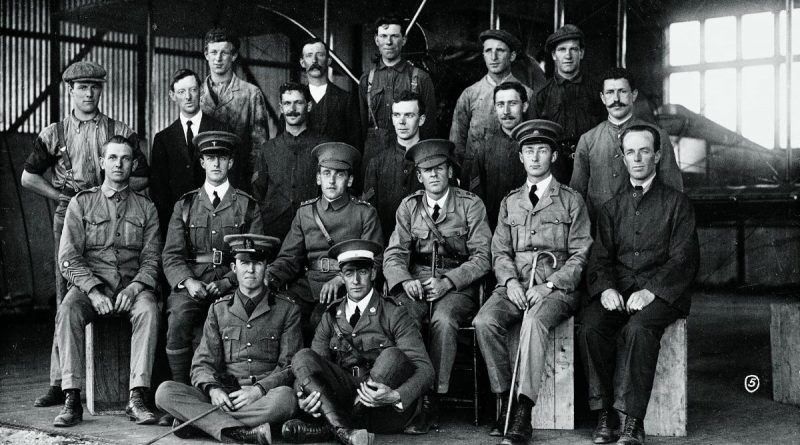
[546, 224]
[367, 365]
[242, 363]
[445, 226]
[303, 264]
[194, 249]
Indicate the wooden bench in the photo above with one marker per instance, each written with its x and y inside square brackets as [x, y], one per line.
[784, 330]
[108, 356]
[666, 412]
[555, 408]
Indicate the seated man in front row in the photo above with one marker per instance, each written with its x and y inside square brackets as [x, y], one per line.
[367, 366]
[242, 362]
[541, 217]
[643, 260]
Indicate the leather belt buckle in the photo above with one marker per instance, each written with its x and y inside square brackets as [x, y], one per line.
[356, 371]
[325, 264]
[216, 257]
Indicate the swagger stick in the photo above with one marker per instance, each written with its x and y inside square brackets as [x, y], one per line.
[184, 424]
[433, 276]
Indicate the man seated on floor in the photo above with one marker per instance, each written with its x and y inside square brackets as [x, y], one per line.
[643, 260]
[367, 366]
[242, 362]
[110, 255]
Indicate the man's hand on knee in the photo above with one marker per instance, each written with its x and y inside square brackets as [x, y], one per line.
[436, 288]
[413, 289]
[374, 394]
[219, 398]
[310, 404]
[612, 300]
[245, 396]
[100, 301]
[126, 297]
[639, 300]
[516, 294]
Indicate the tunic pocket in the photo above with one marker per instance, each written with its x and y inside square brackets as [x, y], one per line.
[96, 229]
[133, 232]
[270, 344]
[230, 340]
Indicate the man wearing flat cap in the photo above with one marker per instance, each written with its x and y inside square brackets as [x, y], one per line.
[475, 117]
[444, 226]
[367, 366]
[242, 363]
[70, 150]
[543, 224]
[194, 251]
[303, 263]
[569, 98]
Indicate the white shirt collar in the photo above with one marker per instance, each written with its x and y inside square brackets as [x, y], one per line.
[440, 201]
[318, 91]
[541, 186]
[494, 84]
[195, 122]
[646, 183]
[351, 305]
[221, 190]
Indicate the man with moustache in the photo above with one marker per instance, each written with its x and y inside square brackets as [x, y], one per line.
[643, 261]
[193, 252]
[109, 253]
[494, 168]
[445, 225]
[568, 98]
[600, 171]
[474, 117]
[303, 264]
[238, 104]
[390, 176]
[389, 77]
[175, 162]
[334, 112]
[285, 167]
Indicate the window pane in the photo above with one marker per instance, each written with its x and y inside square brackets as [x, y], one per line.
[683, 43]
[758, 34]
[795, 34]
[758, 104]
[720, 39]
[795, 106]
[684, 89]
[720, 98]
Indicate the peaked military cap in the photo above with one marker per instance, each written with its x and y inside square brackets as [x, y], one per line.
[84, 71]
[336, 155]
[216, 142]
[537, 130]
[360, 250]
[430, 152]
[250, 246]
[502, 35]
[566, 32]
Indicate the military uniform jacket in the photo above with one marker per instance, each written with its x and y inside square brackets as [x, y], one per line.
[255, 349]
[237, 213]
[383, 324]
[110, 238]
[463, 225]
[345, 218]
[559, 224]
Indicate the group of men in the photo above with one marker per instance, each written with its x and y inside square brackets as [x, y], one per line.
[353, 231]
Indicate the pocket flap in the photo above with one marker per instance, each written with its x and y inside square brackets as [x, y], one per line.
[231, 333]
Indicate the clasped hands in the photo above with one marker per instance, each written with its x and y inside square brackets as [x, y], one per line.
[235, 400]
[613, 301]
[431, 289]
[200, 291]
[369, 393]
[103, 305]
[525, 299]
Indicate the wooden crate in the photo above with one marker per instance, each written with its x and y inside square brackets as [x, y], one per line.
[666, 412]
[555, 408]
[784, 332]
[108, 355]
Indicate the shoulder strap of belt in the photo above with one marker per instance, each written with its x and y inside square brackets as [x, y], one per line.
[370, 78]
[321, 226]
[186, 207]
[436, 233]
[339, 334]
[110, 129]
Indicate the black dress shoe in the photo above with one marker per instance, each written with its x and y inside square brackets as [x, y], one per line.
[165, 420]
[519, 428]
[500, 423]
[72, 413]
[298, 431]
[607, 430]
[187, 432]
[348, 436]
[138, 411]
[632, 433]
[427, 418]
[53, 397]
[260, 434]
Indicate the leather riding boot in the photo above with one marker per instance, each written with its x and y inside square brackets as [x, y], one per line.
[332, 413]
[298, 431]
[500, 423]
[72, 413]
[137, 410]
[427, 418]
[260, 434]
[519, 428]
[607, 429]
[54, 396]
[349, 436]
[632, 433]
[187, 432]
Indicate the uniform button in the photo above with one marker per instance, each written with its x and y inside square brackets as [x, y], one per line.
[214, 232]
[354, 334]
[272, 338]
[533, 232]
[638, 213]
[616, 155]
[614, 175]
[187, 166]
[213, 214]
[249, 360]
[634, 194]
[335, 348]
[249, 326]
[118, 234]
[226, 337]
[535, 249]
[405, 170]
[636, 253]
[248, 344]
[381, 345]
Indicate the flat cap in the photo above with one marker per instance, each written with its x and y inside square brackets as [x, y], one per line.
[504, 36]
[537, 130]
[84, 71]
[355, 250]
[216, 142]
[251, 246]
[336, 155]
[566, 32]
[430, 152]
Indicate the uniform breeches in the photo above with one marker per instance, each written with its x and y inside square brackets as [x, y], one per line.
[185, 318]
[620, 352]
[76, 311]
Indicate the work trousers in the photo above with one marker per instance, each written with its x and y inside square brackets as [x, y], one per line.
[496, 322]
[449, 313]
[391, 368]
[185, 402]
[76, 311]
[185, 318]
[619, 353]
[60, 287]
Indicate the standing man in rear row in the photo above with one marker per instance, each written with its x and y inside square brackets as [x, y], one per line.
[643, 261]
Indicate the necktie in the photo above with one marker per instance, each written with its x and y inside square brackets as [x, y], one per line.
[216, 200]
[189, 137]
[532, 196]
[249, 307]
[355, 317]
[436, 209]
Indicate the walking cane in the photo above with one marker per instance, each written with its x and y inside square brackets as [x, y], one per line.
[184, 424]
[519, 346]
[430, 303]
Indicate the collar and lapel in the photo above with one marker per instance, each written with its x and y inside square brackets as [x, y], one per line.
[367, 317]
[226, 201]
[237, 307]
[225, 96]
[546, 199]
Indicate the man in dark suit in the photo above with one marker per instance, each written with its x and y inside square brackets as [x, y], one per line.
[176, 165]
